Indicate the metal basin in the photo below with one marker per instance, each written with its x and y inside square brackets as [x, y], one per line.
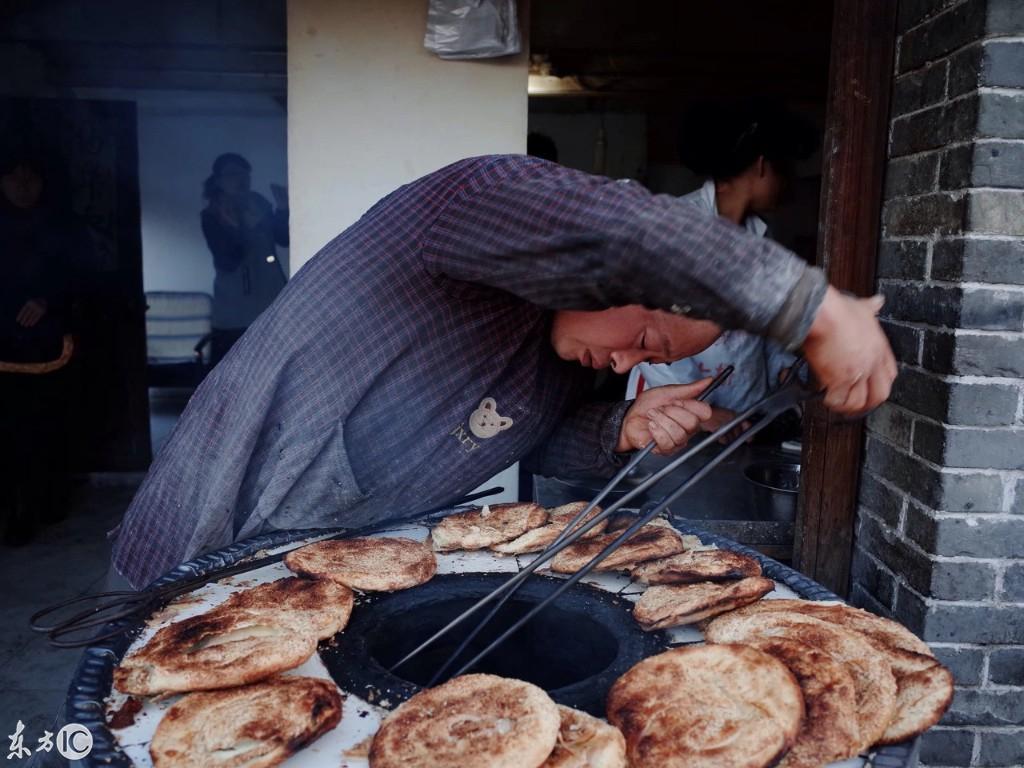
[776, 487]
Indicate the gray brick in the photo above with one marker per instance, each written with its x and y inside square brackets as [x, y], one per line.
[903, 259]
[941, 213]
[984, 164]
[892, 423]
[970, 447]
[1017, 506]
[937, 489]
[898, 556]
[994, 261]
[913, 12]
[944, 124]
[1001, 749]
[1003, 64]
[1013, 581]
[912, 175]
[931, 304]
[962, 581]
[973, 354]
[996, 211]
[919, 89]
[972, 706]
[861, 598]
[905, 341]
[956, 402]
[998, 116]
[964, 663]
[946, 746]
[1006, 666]
[911, 610]
[977, 536]
[942, 34]
[981, 624]
[989, 309]
[1005, 17]
[964, 71]
[880, 500]
[874, 578]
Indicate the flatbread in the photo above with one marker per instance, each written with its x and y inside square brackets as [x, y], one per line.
[257, 726]
[829, 730]
[558, 518]
[585, 741]
[320, 608]
[697, 565]
[922, 699]
[368, 564]
[219, 649]
[905, 651]
[707, 706]
[649, 543]
[673, 605]
[472, 721]
[873, 680]
[486, 526]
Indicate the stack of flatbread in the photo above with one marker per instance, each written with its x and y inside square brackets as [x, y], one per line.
[245, 713]
[485, 721]
[900, 689]
[368, 564]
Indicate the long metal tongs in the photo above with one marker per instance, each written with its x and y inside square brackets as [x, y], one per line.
[115, 608]
[790, 393]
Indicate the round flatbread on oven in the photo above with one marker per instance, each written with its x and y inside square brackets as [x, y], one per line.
[922, 698]
[872, 675]
[707, 706]
[218, 649]
[257, 726]
[649, 543]
[829, 730]
[905, 651]
[673, 605]
[320, 608]
[558, 518]
[697, 565]
[486, 526]
[472, 721]
[367, 564]
[585, 741]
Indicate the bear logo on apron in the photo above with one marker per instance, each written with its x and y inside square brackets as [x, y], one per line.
[485, 421]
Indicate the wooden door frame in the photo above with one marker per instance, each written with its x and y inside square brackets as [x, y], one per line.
[853, 172]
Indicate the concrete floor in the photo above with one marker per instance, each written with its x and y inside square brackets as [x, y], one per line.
[67, 559]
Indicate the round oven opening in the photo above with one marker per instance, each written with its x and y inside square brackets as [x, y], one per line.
[556, 648]
[574, 649]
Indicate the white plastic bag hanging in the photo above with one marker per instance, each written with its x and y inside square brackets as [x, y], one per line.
[472, 29]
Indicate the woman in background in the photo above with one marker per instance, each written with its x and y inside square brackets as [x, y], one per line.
[242, 231]
[748, 155]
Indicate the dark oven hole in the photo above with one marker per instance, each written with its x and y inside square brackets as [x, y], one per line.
[556, 648]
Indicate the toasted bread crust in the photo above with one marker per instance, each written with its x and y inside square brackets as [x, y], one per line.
[707, 706]
[584, 741]
[872, 675]
[261, 724]
[697, 565]
[558, 518]
[922, 699]
[829, 730]
[368, 564]
[486, 526]
[472, 721]
[672, 605]
[650, 542]
[320, 607]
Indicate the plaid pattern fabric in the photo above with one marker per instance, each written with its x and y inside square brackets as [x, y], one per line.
[348, 401]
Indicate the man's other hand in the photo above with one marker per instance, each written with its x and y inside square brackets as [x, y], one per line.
[668, 415]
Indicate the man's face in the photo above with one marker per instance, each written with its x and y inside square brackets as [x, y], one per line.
[622, 337]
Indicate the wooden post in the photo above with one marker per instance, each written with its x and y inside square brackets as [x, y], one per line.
[854, 152]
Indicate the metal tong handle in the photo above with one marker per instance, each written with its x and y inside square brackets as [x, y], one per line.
[506, 590]
[787, 396]
[127, 603]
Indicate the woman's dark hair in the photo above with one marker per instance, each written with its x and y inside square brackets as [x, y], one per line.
[721, 141]
[222, 162]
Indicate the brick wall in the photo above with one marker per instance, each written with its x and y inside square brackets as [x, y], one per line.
[940, 537]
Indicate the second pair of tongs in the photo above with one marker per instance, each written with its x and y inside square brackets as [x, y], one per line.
[790, 393]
